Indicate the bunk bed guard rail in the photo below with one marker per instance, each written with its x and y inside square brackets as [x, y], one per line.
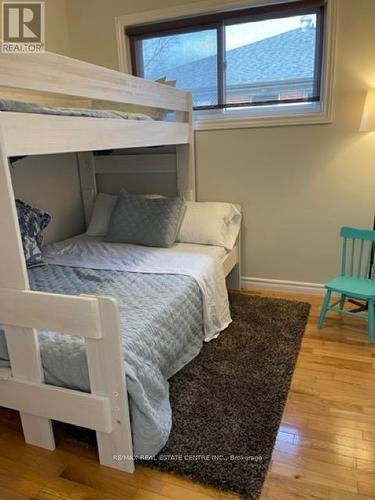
[105, 409]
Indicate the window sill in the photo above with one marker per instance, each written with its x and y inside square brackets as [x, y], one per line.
[256, 118]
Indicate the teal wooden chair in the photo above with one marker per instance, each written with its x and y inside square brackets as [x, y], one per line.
[356, 279]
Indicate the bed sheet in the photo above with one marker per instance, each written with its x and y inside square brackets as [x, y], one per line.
[201, 262]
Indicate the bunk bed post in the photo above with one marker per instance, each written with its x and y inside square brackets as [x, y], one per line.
[185, 159]
[234, 277]
[108, 379]
[22, 343]
[86, 168]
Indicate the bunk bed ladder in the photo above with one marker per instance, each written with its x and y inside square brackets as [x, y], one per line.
[185, 158]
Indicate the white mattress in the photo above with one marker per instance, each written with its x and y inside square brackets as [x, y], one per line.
[218, 253]
[204, 263]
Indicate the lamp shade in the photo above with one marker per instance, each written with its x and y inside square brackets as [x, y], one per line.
[368, 116]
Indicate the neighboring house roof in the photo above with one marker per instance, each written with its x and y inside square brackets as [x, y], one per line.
[288, 56]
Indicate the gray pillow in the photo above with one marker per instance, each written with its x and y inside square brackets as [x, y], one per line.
[151, 222]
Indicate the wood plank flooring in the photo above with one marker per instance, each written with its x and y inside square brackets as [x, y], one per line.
[325, 447]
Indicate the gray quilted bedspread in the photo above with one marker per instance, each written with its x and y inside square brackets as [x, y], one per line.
[161, 328]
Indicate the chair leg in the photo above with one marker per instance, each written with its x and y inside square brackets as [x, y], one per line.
[370, 317]
[324, 308]
[342, 301]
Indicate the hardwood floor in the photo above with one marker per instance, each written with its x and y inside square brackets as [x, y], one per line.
[325, 447]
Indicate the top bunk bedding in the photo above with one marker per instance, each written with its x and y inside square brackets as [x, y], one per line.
[10, 105]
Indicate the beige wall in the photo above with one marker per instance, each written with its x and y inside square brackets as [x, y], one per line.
[297, 185]
[91, 26]
[57, 36]
[51, 182]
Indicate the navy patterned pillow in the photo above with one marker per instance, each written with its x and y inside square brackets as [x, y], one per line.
[32, 222]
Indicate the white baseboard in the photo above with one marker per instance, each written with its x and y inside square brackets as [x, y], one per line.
[248, 283]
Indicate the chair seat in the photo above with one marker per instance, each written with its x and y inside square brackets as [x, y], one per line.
[353, 287]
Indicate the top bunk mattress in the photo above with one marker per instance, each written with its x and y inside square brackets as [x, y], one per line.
[13, 106]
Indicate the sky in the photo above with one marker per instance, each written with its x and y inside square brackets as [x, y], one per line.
[243, 34]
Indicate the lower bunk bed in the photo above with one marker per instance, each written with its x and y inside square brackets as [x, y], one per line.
[170, 301]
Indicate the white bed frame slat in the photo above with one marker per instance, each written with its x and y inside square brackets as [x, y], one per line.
[31, 134]
[11, 252]
[136, 164]
[185, 155]
[232, 266]
[25, 362]
[60, 313]
[63, 75]
[87, 177]
[107, 377]
[22, 343]
[72, 407]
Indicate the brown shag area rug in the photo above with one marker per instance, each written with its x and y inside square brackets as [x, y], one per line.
[228, 402]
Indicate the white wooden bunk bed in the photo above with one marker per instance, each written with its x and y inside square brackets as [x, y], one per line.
[43, 78]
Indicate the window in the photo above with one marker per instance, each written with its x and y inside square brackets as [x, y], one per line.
[247, 58]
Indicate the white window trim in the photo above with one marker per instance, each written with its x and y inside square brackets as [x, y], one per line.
[251, 118]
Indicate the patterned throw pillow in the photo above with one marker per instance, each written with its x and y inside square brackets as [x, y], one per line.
[32, 222]
[152, 222]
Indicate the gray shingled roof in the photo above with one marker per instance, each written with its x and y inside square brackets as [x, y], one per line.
[288, 56]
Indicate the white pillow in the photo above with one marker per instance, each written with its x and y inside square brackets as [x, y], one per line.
[101, 214]
[211, 223]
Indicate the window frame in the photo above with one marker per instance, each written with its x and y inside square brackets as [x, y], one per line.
[240, 117]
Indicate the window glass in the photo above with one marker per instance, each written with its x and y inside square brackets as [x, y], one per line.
[189, 58]
[270, 60]
[266, 55]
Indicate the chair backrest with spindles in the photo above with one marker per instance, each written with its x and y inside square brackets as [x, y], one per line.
[357, 252]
